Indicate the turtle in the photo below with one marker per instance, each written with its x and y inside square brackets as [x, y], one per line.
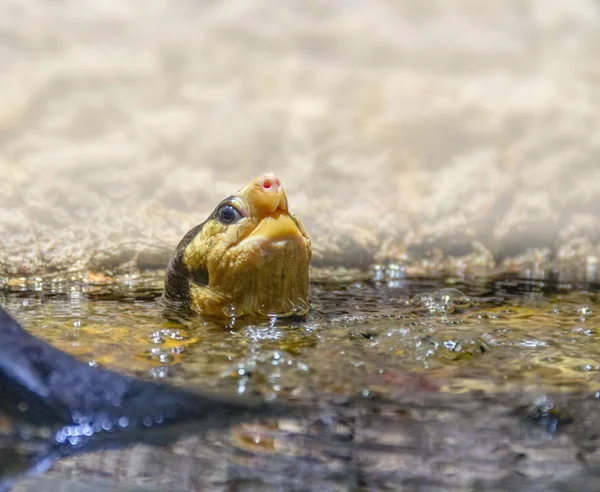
[250, 257]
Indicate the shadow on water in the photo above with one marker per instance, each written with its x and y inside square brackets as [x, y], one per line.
[389, 383]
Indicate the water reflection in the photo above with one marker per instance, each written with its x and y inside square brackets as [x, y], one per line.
[423, 441]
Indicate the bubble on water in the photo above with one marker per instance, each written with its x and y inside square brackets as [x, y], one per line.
[159, 372]
[162, 355]
[231, 311]
[459, 345]
[161, 336]
[390, 274]
[156, 338]
[269, 372]
[446, 300]
[453, 296]
[584, 310]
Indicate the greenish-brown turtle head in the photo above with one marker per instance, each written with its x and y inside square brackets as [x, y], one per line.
[250, 257]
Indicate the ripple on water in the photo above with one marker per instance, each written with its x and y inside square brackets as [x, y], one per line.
[467, 335]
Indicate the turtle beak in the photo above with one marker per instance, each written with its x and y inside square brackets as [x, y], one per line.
[265, 195]
[269, 206]
[276, 227]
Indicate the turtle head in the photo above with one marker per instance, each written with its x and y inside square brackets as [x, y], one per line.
[250, 257]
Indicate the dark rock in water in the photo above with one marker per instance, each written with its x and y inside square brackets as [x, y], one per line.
[41, 385]
[76, 407]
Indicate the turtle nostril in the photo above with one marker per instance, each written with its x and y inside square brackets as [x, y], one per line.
[270, 183]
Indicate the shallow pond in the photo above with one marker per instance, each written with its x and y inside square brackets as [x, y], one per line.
[369, 335]
[362, 335]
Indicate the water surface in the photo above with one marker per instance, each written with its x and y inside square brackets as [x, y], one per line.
[362, 335]
[370, 335]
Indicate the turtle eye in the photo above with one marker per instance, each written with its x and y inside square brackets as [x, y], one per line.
[228, 214]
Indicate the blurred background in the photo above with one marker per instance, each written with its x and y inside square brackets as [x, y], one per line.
[458, 136]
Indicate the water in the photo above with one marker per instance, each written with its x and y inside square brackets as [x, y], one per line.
[467, 346]
[361, 336]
